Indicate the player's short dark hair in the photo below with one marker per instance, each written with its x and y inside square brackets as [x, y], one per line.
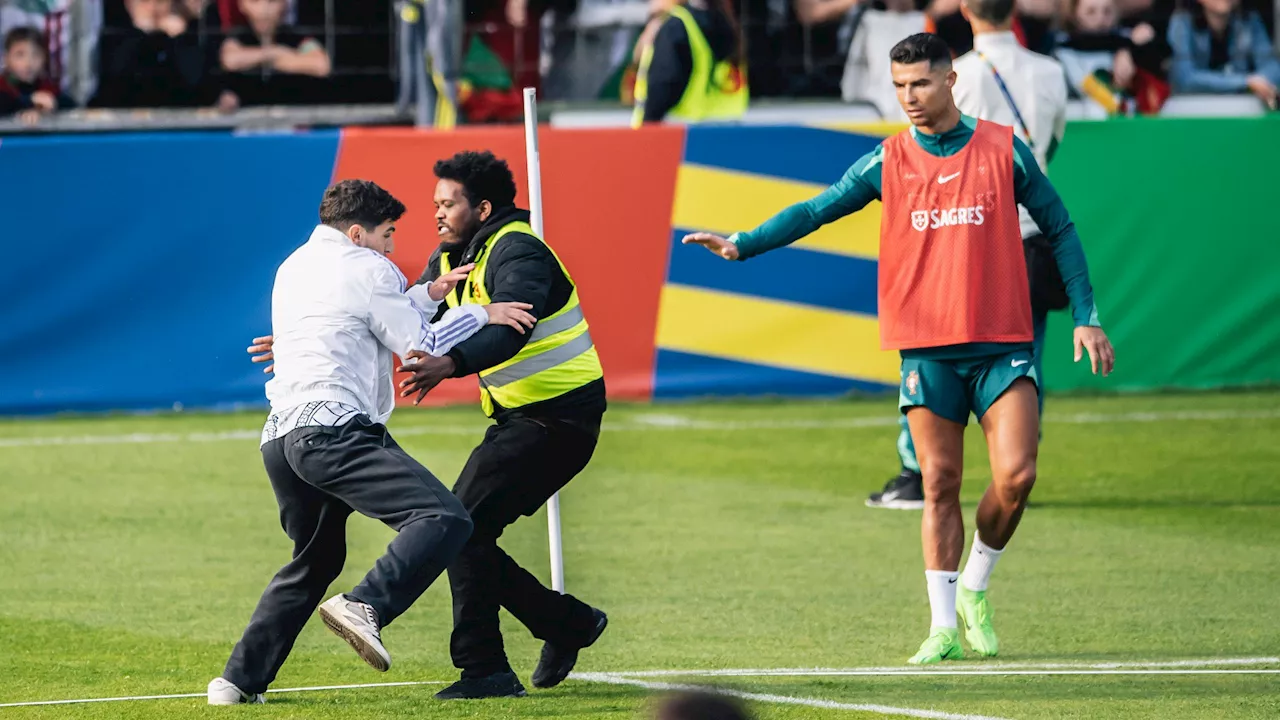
[922, 47]
[700, 705]
[482, 176]
[21, 35]
[358, 202]
[992, 11]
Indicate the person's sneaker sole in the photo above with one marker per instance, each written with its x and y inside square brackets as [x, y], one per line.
[896, 504]
[363, 648]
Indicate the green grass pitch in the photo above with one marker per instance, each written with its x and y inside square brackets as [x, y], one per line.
[717, 536]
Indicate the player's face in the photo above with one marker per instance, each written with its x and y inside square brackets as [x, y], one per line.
[456, 219]
[924, 93]
[380, 239]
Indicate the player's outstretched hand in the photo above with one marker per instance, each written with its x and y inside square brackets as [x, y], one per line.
[261, 351]
[443, 285]
[427, 371]
[1101, 354]
[714, 243]
[511, 314]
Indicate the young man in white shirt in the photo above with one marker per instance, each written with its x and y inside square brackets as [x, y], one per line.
[1037, 87]
[339, 309]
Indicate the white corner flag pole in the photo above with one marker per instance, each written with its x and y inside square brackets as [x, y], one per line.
[535, 210]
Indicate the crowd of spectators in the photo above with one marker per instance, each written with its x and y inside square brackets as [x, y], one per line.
[217, 54]
[1127, 56]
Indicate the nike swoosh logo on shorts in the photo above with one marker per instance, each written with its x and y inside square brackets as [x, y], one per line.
[944, 179]
[1019, 363]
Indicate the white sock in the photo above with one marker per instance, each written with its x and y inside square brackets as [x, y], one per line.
[982, 560]
[942, 596]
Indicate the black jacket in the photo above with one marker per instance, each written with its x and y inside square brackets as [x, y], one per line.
[521, 269]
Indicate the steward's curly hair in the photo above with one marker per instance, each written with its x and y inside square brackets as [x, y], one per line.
[482, 176]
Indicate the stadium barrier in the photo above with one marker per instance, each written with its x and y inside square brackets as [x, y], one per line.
[138, 266]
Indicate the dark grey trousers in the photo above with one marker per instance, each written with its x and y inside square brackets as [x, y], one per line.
[320, 475]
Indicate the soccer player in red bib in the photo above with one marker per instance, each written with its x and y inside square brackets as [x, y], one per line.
[954, 301]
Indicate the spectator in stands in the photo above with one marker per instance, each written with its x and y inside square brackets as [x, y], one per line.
[1218, 49]
[273, 64]
[816, 45]
[866, 75]
[25, 87]
[1118, 68]
[1033, 21]
[700, 705]
[591, 44]
[202, 21]
[661, 84]
[155, 62]
[62, 37]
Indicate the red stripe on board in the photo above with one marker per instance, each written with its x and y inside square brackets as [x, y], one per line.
[607, 199]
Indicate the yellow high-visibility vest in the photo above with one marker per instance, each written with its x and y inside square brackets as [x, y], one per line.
[559, 356]
[716, 90]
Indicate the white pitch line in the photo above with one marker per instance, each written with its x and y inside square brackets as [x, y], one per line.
[891, 673]
[200, 695]
[614, 679]
[661, 421]
[992, 666]
[644, 423]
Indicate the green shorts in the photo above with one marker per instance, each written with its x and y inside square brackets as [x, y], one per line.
[954, 388]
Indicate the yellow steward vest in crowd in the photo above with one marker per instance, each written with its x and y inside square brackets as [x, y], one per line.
[716, 90]
[559, 356]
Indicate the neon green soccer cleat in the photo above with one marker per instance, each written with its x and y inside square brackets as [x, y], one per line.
[942, 644]
[975, 613]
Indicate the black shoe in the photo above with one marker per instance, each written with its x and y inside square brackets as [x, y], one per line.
[904, 492]
[557, 661]
[497, 685]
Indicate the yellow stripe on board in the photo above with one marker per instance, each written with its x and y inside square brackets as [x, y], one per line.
[879, 128]
[726, 201]
[773, 333]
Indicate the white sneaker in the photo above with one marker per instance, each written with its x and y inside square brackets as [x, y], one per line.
[357, 623]
[223, 692]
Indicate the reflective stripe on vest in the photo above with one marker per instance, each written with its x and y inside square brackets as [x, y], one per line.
[538, 363]
[559, 356]
[716, 90]
[558, 323]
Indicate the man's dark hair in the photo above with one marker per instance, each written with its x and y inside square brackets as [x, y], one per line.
[21, 35]
[358, 202]
[700, 705]
[992, 11]
[922, 47]
[482, 176]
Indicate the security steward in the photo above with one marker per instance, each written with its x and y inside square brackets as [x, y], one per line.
[693, 70]
[544, 390]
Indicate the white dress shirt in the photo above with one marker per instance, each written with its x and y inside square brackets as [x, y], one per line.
[338, 313]
[1037, 85]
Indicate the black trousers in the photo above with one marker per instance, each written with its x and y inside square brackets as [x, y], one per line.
[320, 475]
[520, 464]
